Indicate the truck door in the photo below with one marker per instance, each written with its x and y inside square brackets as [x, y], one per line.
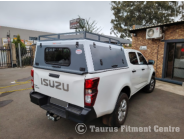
[136, 73]
[144, 68]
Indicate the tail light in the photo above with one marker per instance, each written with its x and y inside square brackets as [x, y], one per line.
[32, 80]
[91, 91]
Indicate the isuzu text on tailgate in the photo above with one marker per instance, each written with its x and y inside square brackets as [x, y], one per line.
[54, 84]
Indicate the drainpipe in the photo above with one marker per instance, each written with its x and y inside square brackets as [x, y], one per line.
[163, 36]
[157, 59]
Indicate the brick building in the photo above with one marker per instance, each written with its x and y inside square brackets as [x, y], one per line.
[167, 51]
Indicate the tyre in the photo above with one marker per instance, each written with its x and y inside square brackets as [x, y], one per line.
[151, 86]
[118, 117]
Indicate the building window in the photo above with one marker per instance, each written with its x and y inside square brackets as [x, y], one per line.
[175, 61]
[32, 38]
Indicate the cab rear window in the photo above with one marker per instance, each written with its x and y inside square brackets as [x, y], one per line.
[57, 56]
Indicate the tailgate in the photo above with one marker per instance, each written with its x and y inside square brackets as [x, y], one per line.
[67, 87]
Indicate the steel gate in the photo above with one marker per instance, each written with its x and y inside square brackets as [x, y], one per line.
[5, 57]
[26, 56]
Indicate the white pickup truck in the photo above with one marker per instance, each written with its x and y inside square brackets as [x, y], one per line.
[83, 76]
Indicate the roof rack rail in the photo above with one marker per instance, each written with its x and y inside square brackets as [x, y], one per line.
[77, 36]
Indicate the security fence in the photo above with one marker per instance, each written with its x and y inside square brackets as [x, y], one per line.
[26, 55]
[10, 56]
[5, 57]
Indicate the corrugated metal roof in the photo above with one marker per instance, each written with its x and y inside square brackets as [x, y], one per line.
[161, 24]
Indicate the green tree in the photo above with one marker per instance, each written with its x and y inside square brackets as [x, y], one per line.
[22, 47]
[89, 26]
[129, 13]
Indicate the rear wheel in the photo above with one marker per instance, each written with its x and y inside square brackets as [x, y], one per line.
[151, 86]
[118, 117]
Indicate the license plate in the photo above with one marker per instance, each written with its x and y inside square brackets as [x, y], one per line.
[58, 102]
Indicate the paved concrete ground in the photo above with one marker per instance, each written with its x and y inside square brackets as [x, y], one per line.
[22, 119]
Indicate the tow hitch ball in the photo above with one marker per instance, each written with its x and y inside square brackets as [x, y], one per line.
[52, 117]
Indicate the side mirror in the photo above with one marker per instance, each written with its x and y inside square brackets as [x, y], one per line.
[151, 62]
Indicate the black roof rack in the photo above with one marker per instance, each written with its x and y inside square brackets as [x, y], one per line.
[77, 36]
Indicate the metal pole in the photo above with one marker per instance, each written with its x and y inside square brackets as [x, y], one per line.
[175, 10]
[30, 54]
[20, 55]
[11, 55]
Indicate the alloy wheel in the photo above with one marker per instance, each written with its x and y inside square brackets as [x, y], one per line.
[152, 84]
[122, 110]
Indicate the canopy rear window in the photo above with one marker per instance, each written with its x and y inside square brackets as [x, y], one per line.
[57, 56]
[65, 58]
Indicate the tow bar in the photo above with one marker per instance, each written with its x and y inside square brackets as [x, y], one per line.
[52, 117]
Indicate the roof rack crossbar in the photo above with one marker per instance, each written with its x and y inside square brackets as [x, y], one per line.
[49, 38]
[83, 36]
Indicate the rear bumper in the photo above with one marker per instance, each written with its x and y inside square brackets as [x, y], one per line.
[72, 112]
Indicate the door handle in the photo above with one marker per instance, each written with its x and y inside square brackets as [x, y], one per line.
[133, 70]
[143, 69]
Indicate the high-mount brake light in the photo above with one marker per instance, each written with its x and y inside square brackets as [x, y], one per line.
[91, 91]
[32, 80]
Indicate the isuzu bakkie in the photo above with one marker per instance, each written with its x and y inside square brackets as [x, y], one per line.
[82, 76]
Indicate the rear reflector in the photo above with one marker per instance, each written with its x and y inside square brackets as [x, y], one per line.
[32, 73]
[32, 80]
